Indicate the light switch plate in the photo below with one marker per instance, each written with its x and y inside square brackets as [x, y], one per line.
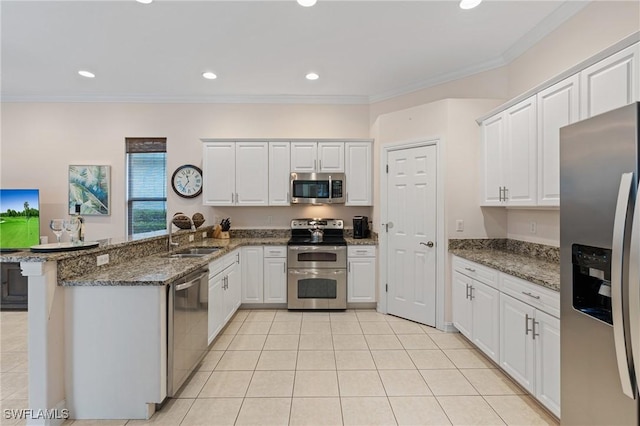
[459, 225]
[191, 238]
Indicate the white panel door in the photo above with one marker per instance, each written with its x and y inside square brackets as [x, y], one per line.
[330, 157]
[461, 303]
[557, 106]
[304, 157]
[252, 174]
[216, 306]
[279, 183]
[359, 174]
[548, 361]
[219, 174]
[275, 280]
[361, 280]
[485, 320]
[516, 344]
[232, 291]
[411, 215]
[610, 83]
[491, 176]
[521, 149]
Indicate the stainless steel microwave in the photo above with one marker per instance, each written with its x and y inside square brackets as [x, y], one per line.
[318, 188]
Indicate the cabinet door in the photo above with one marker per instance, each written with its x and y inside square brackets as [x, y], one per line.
[216, 306]
[557, 106]
[359, 174]
[330, 157]
[232, 291]
[548, 361]
[252, 275]
[516, 343]
[610, 83]
[491, 177]
[219, 174]
[252, 174]
[279, 160]
[304, 156]
[521, 150]
[485, 319]
[275, 280]
[361, 280]
[461, 303]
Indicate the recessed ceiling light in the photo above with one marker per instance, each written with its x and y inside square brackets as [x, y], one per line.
[87, 74]
[209, 75]
[312, 76]
[144, 1]
[306, 3]
[469, 4]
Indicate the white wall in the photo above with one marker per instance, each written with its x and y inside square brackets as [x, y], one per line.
[40, 140]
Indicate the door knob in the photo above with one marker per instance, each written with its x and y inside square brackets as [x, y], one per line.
[428, 244]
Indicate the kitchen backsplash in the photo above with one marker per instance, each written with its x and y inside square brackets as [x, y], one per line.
[541, 251]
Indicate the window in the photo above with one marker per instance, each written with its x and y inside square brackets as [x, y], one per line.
[146, 186]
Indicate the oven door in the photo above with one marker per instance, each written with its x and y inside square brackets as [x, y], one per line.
[317, 257]
[317, 289]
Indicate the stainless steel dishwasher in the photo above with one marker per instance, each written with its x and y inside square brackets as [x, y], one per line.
[187, 327]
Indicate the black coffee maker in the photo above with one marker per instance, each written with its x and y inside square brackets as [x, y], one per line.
[360, 227]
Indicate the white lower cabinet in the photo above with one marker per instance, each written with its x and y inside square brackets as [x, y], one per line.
[252, 274]
[361, 274]
[275, 275]
[514, 322]
[476, 313]
[224, 292]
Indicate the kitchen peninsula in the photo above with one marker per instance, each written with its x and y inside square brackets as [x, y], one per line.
[98, 334]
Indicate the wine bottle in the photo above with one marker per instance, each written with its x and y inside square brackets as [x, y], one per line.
[81, 220]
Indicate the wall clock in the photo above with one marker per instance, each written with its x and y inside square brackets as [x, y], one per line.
[187, 181]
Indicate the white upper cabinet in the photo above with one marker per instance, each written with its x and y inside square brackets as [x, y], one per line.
[509, 156]
[219, 174]
[252, 173]
[279, 160]
[236, 173]
[492, 161]
[521, 148]
[317, 157]
[558, 106]
[359, 174]
[610, 83]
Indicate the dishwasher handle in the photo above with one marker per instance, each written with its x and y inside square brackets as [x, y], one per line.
[191, 282]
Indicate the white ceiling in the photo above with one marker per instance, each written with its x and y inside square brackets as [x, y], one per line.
[364, 51]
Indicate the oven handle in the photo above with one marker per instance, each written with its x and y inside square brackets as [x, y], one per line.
[318, 272]
[316, 248]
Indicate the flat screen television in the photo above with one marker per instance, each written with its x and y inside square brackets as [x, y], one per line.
[19, 219]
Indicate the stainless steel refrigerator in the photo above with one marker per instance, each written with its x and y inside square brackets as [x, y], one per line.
[600, 256]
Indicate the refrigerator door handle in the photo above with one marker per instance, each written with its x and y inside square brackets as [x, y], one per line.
[634, 290]
[617, 260]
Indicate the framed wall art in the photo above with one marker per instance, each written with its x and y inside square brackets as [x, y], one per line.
[89, 187]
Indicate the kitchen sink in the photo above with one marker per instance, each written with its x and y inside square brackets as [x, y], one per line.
[193, 252]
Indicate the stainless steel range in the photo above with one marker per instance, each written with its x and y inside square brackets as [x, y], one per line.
[317, 265]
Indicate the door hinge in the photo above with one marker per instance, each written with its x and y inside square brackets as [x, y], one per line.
[386, 288]
[387, 168]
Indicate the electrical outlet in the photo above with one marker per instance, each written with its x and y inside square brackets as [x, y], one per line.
[533, 227]
[269, 219]
[191, 238]
[103, 259]
[459, 225]
[204, 235]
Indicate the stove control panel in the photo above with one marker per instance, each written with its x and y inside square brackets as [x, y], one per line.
[317, 223]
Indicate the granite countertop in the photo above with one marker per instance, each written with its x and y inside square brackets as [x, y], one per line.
[159, 269]
[361, 241]
[533, 269]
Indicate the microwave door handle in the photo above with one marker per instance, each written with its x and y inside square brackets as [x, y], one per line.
[617, 283]
[330, 189]
[634, 290]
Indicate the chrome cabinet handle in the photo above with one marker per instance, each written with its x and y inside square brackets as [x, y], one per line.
[499, 194]
[427, 244]
[349, 266]
[467, 292]
[533, 329]
[320, 161]
[284, 268]
[526, 324]
[314, 164]
[470, 269]
[526, 293]
[471, 292]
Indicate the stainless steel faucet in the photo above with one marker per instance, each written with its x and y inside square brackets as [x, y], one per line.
[172, 243]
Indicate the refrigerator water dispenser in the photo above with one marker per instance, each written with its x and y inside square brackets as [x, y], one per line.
[592, 281]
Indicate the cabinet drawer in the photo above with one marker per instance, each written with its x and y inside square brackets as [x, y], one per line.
[361, 251]
[275, 251]
[476, 271]
[539, 297]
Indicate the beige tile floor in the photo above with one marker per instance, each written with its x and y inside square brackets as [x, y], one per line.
[318, 368]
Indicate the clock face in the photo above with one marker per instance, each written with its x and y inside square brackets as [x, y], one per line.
[187, 181]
